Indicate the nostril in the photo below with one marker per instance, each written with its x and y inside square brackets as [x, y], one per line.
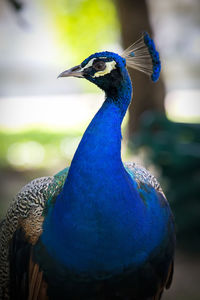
[76, 68]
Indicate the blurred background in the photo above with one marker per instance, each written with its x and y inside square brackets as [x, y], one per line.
[42, 119]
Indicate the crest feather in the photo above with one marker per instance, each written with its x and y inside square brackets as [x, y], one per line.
[143, 56]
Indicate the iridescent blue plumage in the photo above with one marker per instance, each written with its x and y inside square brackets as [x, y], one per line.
[108, 55]
[155, 57]
[107, 232]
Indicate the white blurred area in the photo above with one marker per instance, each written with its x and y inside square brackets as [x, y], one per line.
[30, 60]
[73, 111]
[183, 105]
[176, 26]
[55, 112]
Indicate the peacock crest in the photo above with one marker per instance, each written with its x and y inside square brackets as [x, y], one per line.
[143, 56]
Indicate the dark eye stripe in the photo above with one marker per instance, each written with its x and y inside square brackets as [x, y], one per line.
[89, 71]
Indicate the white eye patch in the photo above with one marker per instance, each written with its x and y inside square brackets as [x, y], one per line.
[90, 63]
[110, 65]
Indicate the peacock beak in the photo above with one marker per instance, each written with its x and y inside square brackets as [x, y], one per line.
[75, 72]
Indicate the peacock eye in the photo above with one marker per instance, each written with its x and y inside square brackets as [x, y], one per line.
[99, 65]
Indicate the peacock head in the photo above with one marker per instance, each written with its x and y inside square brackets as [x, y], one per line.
[105, 69]
[108, 70]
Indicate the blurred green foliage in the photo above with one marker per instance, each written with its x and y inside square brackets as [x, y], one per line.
[84, 26]
[32, 149]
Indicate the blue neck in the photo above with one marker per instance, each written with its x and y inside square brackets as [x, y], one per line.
[100, 147]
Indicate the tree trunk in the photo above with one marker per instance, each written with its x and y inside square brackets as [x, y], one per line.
[134, 19]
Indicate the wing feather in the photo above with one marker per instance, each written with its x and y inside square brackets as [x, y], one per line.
[37, 284]
[27, 205]
[20, 230]
[142, 176]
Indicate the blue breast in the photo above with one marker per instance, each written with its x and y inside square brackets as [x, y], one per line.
[100, 222]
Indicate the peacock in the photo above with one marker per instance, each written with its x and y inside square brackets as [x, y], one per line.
[100, 229]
